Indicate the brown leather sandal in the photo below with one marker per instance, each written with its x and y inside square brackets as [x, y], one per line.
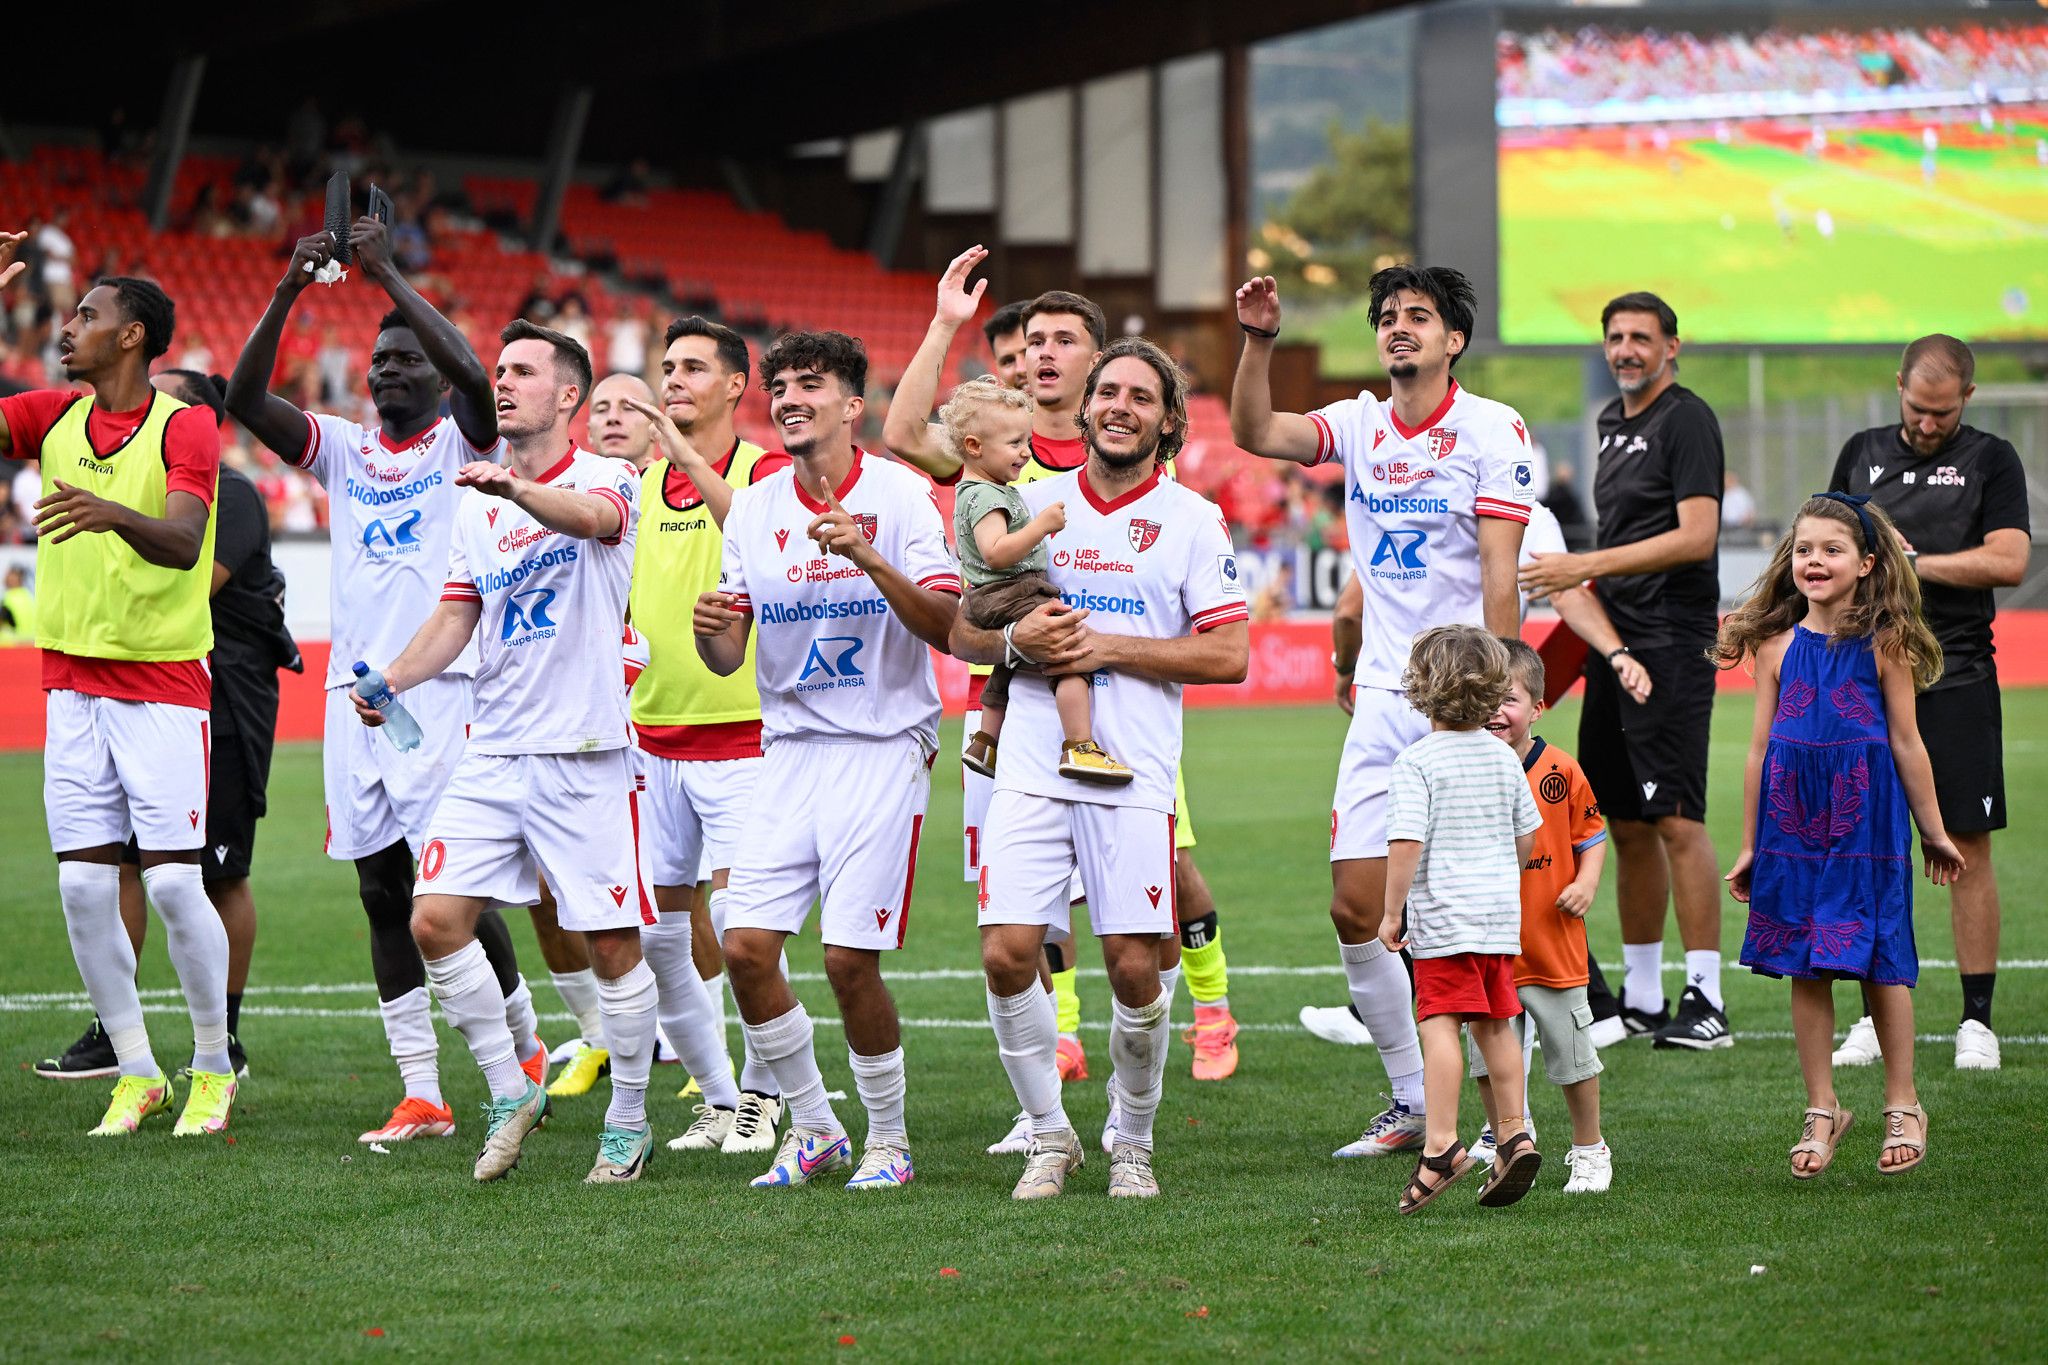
[1450, 1166]
[1895, 1116]
[980, 755]
[1839, 1121]
[1515, 1164]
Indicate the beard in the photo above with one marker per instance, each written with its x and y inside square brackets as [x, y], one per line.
[1148, 446]
[1403, 369]
[1635, 381]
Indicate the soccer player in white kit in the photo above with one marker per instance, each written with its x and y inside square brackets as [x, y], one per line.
[840, 569]
[1150, 600]
[1437, 497]
[391, 496]
[538, 574]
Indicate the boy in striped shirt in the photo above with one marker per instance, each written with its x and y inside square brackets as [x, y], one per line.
[1460, 824]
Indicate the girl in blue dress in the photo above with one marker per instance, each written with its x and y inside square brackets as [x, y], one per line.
[1839, 647]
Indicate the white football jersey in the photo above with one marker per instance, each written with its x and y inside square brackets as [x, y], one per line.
[548, 645]
[390, 511]
[1155, 562]
[832, 660]
[1414, 497]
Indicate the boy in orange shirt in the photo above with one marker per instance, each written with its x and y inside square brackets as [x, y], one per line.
[1558, 882]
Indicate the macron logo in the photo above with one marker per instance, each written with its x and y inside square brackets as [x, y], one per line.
[1987, 805]
[781, 539]
[1649, 790]
[1876, 472]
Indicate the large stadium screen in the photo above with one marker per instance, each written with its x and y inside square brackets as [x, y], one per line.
[1786, 182]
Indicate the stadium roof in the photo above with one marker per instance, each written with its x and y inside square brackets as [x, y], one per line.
[749, 76]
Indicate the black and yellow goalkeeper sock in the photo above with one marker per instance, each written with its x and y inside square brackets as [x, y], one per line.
[1201, 961]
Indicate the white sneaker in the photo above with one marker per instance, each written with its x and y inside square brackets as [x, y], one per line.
[1976, 1047]
[1130, 1173]
[1484, 1149]
[1336, 1025]
[707, 1134]
[1591, 1171]
[564, 1051]
[1860, 1047]
[1605, 1033]
[1017, 1140]
[1395, 1129]
[753, 1124]
[1053, 1159]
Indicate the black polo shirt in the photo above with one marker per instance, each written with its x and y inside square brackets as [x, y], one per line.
[1649, 463]
[250, 642]
[1944, 503]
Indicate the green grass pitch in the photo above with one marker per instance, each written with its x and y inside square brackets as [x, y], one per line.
[1728, 233]
[294, 1241]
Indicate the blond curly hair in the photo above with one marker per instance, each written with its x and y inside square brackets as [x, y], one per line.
[1457, 676]
[964, 410]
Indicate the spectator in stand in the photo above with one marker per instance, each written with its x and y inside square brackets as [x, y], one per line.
[572, 319]
[1275, 597]
[337, 368]
[58, 256]
[626, 340]
[539, 303]
[1738, 508]
[17, 609]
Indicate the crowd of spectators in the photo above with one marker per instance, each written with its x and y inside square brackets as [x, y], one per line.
[1594, 64]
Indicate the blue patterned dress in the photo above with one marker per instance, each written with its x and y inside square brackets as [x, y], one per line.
[1831, 888]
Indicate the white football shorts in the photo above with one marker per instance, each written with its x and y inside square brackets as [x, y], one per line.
[115, 768]
[575, 817]
[1037, 845]
[1382, 725]
[836, 824]
[377, 795]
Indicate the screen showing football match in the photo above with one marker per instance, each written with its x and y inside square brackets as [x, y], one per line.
[1782, 183]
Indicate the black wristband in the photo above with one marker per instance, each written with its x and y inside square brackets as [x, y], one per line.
[1623, 650]
[1250, 330]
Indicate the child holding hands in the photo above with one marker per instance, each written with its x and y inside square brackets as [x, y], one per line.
[1003, 557]
[1460, 824]
[1839, 647]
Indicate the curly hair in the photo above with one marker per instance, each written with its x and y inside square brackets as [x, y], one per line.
[1456, 301]
[1885, 605]
[1173, 391]
[963, 411]
[1457, 676]
[833, 353]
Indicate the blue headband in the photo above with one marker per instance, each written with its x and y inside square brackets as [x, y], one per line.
[1856, 502]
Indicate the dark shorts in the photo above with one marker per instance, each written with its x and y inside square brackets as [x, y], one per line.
[1647, 760]
[995, 605]
[234, 802]
[1964, 731]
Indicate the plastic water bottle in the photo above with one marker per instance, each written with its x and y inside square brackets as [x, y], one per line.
[403, 730]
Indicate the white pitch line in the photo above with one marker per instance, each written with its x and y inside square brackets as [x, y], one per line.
[14, 1004]
[28, 999]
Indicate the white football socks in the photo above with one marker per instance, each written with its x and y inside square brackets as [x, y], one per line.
[686, 1014]
[1703, 969]
[1136, 1037]
[91, 895]
[409, 1028]
[630, 1004]
[883, 1087]
[522, 1020]
[756, 1076]
[1380, 995]
[784, 1046]
[474, 1006]
[198, 946]
[579, 992]
[1027, 1040]
[1643, 986]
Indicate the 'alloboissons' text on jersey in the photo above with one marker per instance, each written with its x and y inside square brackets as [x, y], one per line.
[1413, 499]
[547, 675]
[391, 509]
[832, 659]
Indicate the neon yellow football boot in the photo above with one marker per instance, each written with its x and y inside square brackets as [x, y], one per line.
[207, 1104]
[135, 1099]
[581, 1071]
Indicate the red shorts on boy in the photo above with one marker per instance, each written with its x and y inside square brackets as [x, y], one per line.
[1480, 984]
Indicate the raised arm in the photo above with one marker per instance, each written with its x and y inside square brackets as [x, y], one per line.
[10, 269]
[908, 430]
[1253, 423]
[710, 484]
[573, 512]
[446, 349]
[275, 421]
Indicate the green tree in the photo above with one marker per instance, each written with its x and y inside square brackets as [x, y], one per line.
[1352, 215]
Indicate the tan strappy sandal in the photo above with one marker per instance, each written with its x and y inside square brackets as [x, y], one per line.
[1895, 1116]
[1839, 1121]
